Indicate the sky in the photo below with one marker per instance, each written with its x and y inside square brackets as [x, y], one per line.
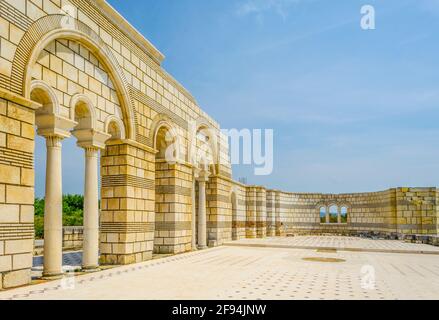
[352, 110]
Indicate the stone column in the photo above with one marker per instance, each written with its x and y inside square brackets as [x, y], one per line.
[53, 209]
[90, 259]
[54, 128]
[202, 213]
[91, 141]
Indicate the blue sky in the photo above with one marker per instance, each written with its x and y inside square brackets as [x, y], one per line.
[352, 110]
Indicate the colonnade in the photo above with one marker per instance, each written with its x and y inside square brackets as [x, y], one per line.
[55, 129]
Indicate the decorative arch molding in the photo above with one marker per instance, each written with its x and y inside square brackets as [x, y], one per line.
[78, 98]
[50, 28]
[203, 124]
[52, 105]
[119, 123]
[164, 121]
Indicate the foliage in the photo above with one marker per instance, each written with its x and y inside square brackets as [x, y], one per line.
[73, 208]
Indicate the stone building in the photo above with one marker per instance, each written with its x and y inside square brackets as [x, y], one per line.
[76, 69]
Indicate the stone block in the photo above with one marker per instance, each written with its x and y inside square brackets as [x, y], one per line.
[9, 174]
[9, 125]
[19, 195]
[27, 177]
[27, 214]
[20, 144]
[5, 263]
[16, 278]
[22, 261]
[21, 113]
[18, 246]
[27, 131]
[9, 213]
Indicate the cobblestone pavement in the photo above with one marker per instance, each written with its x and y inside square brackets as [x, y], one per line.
[340, 243]
[249, 273]
[70, 259]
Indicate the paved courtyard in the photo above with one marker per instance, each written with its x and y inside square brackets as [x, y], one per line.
[255, 272]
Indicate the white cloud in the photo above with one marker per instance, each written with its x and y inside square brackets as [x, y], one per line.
[258, 8]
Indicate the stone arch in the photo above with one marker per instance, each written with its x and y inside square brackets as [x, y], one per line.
[50, 28]
[78, 103]
[163, 121]
[331, 206]
[41, 92]
[114, 127]
[202, 124]
[348, 210]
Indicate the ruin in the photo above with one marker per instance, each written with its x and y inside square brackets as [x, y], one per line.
[76, 69]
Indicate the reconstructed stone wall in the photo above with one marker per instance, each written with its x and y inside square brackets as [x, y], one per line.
[73, 237]
[395, 211]
[90, 74]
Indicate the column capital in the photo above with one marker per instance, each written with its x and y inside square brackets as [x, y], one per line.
[54, 141]
[91, 139]
[53, 125]
[203, 176]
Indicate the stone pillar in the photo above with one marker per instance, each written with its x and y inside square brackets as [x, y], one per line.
[53, 209]
[127, 205]
[173, 214]
[54, 128]
[202, 211]
[280, 230]
[90, 260]
[194, 211]
[251, 213]
[339, 215]
[261, 215]
[271, 214]
[91, 141]
[328, 215]
[17, 121]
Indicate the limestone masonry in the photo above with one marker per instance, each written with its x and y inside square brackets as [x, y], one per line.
[76, 69]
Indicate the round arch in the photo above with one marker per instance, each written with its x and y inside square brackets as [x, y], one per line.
[49, 28]
[202, 124]
[42, 92]
[76, 101]
[119, 125]
[163, 121]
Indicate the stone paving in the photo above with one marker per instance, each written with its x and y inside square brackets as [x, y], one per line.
[249, 273]
[339, 243]
[70, 259]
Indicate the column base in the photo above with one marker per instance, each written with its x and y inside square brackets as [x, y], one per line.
[51, 277]
[202, 248]
[90, 269]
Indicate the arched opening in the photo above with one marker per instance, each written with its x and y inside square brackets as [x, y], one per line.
[323, 215]
[333, 214]
[202, 155]
[79, 98]
[166, 197]
[49, 208]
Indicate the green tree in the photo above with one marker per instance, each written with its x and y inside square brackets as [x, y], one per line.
[73, 213]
